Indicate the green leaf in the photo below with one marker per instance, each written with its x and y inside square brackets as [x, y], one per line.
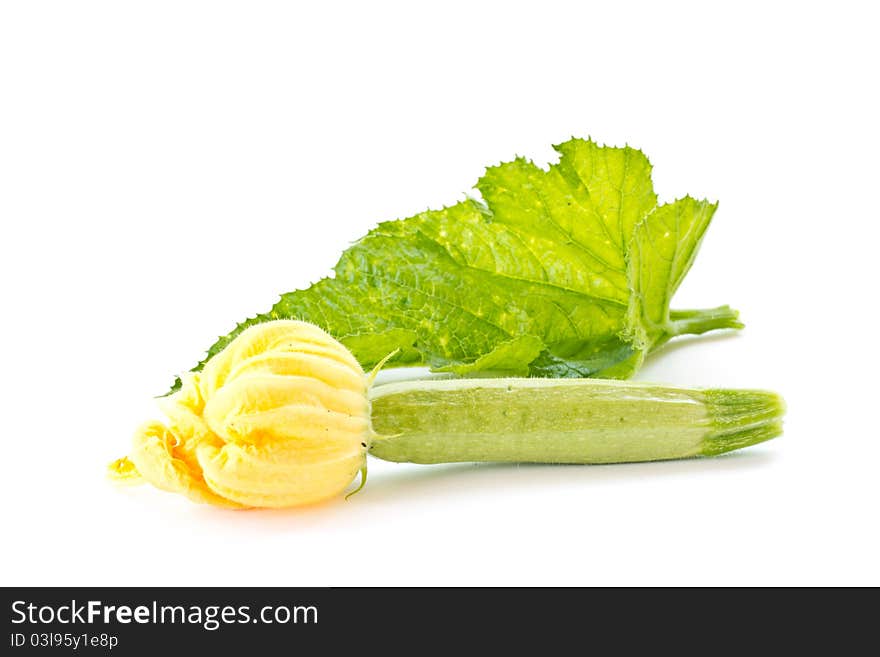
[661, 253]
[562, 272]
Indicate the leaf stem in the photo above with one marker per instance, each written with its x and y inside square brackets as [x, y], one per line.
[695, 322]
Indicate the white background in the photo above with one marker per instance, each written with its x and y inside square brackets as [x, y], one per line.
[168, 168]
